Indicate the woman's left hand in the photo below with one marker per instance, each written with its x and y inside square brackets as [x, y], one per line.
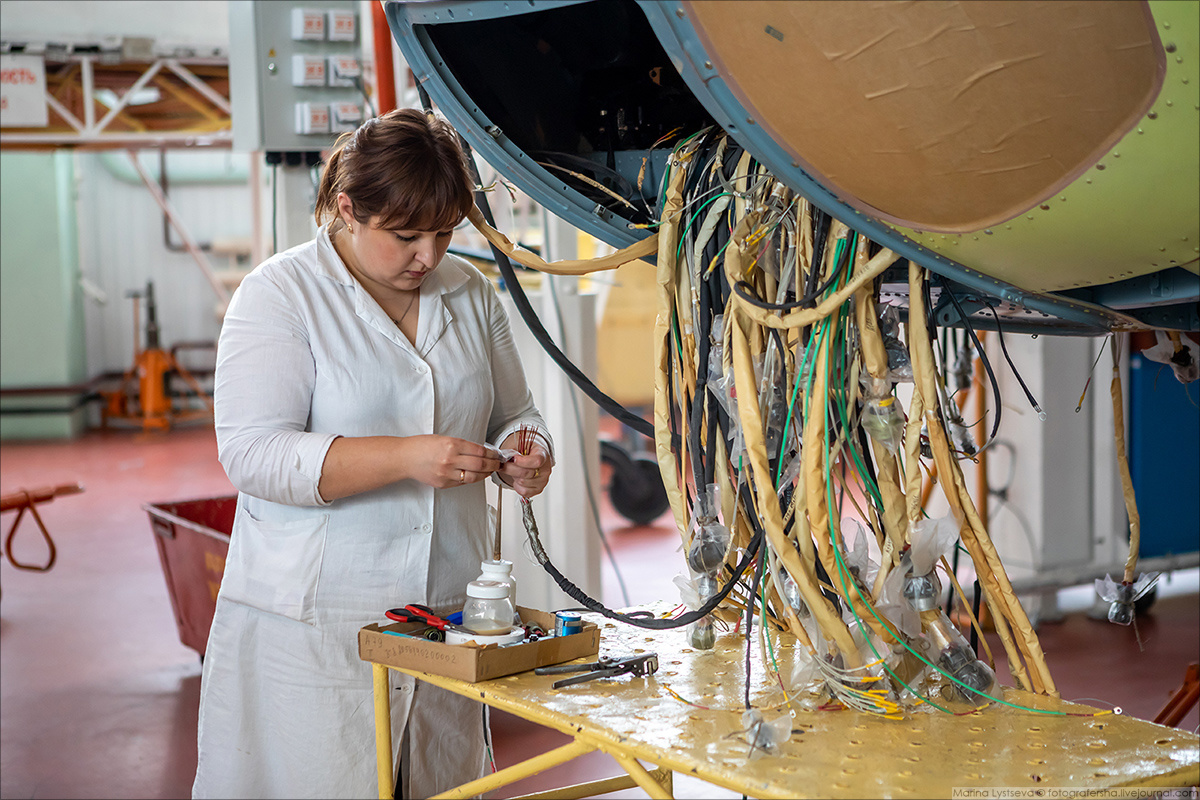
[526, 475]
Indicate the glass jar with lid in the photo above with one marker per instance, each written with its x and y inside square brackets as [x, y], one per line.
[501, 571]
[488, 610]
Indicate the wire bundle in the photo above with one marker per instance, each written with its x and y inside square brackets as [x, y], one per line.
[776, 409]
[772, 370]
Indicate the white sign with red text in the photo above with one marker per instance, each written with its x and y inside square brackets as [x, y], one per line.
[23, 92]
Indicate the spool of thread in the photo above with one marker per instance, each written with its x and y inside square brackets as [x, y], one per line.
[566, 623]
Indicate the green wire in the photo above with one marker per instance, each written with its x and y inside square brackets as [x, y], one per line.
[683, 233]
[843, 572]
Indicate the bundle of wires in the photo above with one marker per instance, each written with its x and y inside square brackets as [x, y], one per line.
[774, 371]
[770, 350]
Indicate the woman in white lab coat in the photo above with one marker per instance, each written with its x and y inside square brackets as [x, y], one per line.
[358, 377]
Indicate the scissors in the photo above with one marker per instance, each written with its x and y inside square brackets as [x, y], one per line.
[415, 612]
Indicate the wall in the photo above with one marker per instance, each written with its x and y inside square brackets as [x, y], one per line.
[41, 331]
[121, 228]
[198, 25]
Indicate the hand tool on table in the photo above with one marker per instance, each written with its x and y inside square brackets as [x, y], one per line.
[646, 664]
[415, 612]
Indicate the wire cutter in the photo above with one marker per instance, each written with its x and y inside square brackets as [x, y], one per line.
[646, 664]
[415, 612]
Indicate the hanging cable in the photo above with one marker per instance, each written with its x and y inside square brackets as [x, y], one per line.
[983, 359]
[525, 309]
[587, 478]
[1028, 394]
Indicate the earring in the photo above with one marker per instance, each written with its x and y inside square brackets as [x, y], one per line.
[349, 227]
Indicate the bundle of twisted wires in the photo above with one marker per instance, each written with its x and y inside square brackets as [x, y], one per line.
[769, 303]
[768, 329]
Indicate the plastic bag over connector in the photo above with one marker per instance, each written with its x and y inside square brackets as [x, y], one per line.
[972, 680]
[913, 587]
[766, 735]
[1123, 596]
[884, 422]
[706, 553]
[899, 364]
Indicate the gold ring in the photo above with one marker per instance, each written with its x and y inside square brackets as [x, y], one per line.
[537, 472]
[462, 476]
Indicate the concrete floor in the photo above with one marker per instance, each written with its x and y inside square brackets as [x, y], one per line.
[98, 697]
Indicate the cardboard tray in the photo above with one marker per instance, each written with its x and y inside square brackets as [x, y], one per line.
[472, 662]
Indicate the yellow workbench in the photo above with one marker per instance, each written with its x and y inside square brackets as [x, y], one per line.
[831, 753]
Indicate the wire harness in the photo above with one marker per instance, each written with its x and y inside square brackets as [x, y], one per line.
[793, 470]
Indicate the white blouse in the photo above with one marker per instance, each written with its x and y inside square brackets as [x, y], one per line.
[306, 355]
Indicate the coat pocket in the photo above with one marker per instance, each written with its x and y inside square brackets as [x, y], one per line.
[276, 566]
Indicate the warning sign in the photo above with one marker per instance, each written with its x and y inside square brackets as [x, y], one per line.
[23, 92]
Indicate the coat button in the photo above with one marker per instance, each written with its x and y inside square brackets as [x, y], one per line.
[427, 527]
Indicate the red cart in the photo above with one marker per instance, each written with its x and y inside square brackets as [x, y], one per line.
[193, 540]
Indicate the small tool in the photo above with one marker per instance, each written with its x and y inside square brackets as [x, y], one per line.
[415, 612]
[428, 634]
[646, 664]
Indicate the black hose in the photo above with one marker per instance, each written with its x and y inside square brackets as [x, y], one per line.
[642, 619]
[539, 332]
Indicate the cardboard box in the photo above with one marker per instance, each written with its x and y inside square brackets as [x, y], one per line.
[471, 662]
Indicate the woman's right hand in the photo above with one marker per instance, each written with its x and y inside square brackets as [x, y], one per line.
[445, 461]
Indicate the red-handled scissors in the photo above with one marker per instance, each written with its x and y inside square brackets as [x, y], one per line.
[414, 612]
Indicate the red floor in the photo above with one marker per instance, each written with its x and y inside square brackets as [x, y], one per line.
[98, 697]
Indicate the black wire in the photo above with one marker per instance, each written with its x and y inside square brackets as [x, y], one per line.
[642, 619]
[744, 290]
[975, 610]
[758, 575]
[983, 359]
[953, 571]
[821, 223]
[1000, 335]
[587, 481]
[527, 313]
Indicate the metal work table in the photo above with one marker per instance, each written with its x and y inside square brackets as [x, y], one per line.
[831, 753]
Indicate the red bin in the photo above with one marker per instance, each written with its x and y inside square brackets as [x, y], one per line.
[193, 540]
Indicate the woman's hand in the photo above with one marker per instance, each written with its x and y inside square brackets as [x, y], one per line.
[444, 461]
[527, 475]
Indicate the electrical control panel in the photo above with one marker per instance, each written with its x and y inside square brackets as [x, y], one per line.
[295, 73]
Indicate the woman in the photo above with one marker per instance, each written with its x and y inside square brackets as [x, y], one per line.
[359, 377]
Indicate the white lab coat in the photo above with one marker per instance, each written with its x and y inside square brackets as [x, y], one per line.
[305, 355]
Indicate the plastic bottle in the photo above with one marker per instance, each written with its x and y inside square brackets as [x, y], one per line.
[501, 571]
[488, 609]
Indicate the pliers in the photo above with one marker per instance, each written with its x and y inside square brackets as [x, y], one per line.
[646, 664]
[415, 612]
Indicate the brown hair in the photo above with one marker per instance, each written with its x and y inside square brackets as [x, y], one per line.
[405, 168]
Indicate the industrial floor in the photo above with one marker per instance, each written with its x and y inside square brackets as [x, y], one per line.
[98, 697]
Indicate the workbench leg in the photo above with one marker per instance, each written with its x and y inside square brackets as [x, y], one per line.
[516, 772]
[579, 791]
[643, 778]
[666, 778]
[383, 731]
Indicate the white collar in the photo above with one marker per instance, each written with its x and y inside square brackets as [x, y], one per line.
[447, 277]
